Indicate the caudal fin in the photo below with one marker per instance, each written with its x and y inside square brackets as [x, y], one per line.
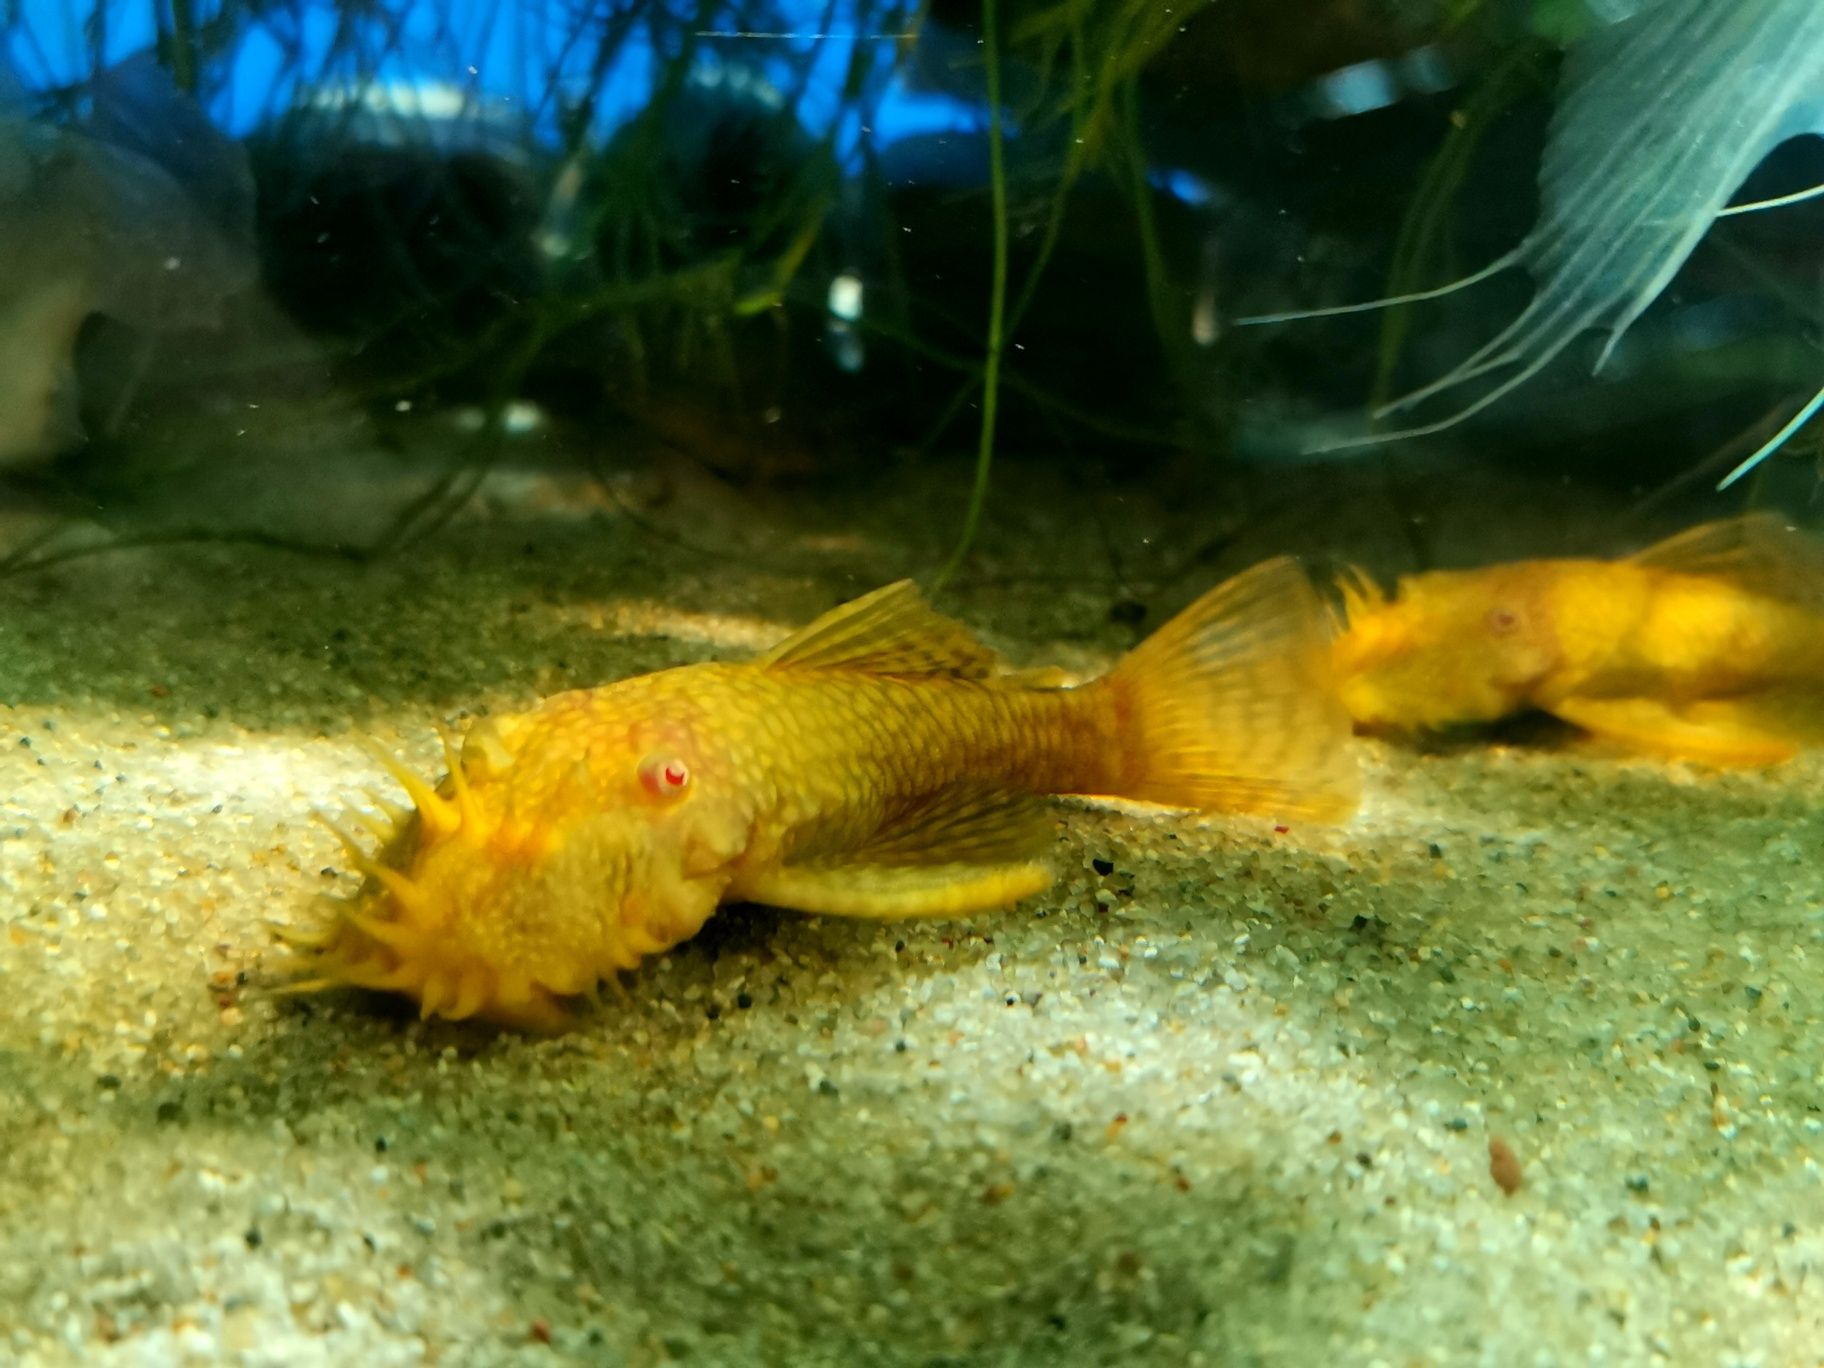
[1230, 705]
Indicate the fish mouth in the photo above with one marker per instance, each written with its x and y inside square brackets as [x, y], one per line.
[360, 946]
[400, 933]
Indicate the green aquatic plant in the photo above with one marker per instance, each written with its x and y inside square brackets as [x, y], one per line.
[621, 277]
[1660, 118]
[997, 300]
[598, 275]
[1087, 57]
[1423, 237]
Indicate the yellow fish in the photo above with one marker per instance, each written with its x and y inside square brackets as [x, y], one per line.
[1709, 645]
[880, 763]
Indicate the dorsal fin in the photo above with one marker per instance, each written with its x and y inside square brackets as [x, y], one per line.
[1761, 552]
[891, 631]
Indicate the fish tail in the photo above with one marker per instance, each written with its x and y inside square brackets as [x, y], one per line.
[1231, 705]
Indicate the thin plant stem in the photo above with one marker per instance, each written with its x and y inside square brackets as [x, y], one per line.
[997, 301]
[183, 53]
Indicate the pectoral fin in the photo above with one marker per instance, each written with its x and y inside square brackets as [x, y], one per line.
[958, 851]
[896, 892]
[1719, 731]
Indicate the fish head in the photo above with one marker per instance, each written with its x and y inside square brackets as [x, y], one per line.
[1448, 647]
[550, 857]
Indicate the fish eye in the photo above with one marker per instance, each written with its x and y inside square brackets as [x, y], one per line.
[1501, 621]
[664, 776]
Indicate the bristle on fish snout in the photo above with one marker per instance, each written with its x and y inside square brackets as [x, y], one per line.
[388, 935]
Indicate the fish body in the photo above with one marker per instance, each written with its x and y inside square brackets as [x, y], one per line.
[1709, 645]
[880, 763]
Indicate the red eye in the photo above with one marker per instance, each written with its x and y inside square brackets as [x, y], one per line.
[664, 776]
[1501, 621]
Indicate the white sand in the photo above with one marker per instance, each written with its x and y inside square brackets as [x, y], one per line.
[1228, 1102]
